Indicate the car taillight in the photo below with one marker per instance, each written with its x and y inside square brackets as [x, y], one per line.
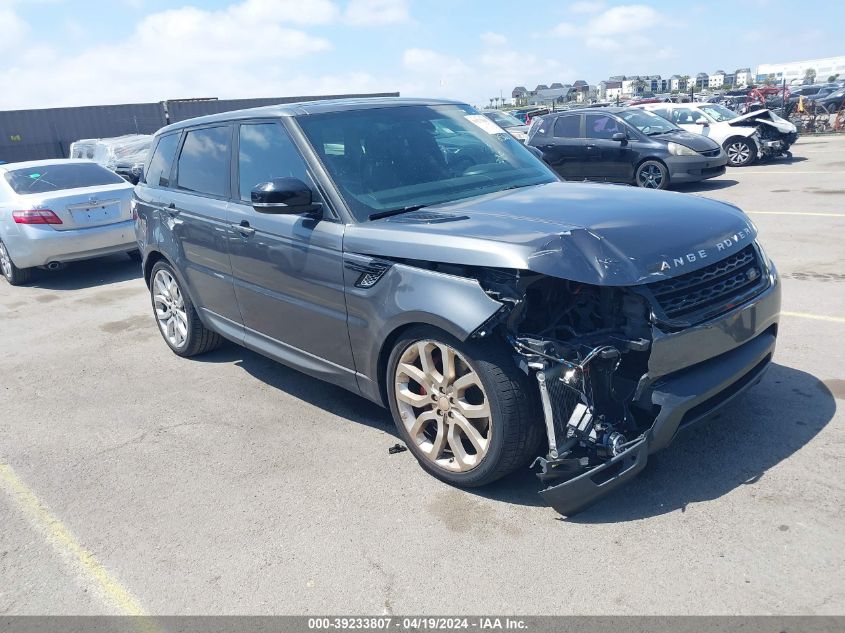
[36, 216]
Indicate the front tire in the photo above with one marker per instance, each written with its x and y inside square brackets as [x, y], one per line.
[652, 174]
[177, 319]
[464, 409]
[14, 275]
[740, 151]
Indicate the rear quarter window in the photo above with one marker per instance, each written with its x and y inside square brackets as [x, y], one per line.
[60, 176]
[158, 172]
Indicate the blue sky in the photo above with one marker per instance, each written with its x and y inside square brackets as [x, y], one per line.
[78, 52]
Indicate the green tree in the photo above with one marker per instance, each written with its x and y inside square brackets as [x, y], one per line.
[810, 75]
[833, 78]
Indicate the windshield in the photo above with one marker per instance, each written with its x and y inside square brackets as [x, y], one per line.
[718, 113]
[47, 178]
[386, 159]
[504, 119]
[648, 123]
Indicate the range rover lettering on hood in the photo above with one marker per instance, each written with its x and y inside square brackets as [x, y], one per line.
[723, 246]
[589, 233]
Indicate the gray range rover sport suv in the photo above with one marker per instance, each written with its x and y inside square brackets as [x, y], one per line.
[413, 252]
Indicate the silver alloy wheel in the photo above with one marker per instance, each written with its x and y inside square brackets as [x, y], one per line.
[5, 261]
[738, 153]
[169, 306]
[443, 405]
[651, 177]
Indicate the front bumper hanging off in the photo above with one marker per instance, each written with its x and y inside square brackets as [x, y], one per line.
[681, 399]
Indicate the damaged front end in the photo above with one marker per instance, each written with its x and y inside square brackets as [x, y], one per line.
[619, 370]
[773, 134]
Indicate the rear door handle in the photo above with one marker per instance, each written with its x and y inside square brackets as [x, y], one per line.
[245, 229]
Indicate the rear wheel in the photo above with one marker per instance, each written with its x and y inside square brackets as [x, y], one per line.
[14, 275]
[176, 316]
[464, 409]
[652, 174]
[740, 152]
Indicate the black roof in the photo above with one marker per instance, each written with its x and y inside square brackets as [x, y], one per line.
[304, 108]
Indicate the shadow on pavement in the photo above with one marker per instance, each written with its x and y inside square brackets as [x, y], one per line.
[767, 424]
[318, 393]
[88, 273]
[704, 185]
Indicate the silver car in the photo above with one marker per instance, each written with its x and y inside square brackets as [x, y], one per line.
[58, 211]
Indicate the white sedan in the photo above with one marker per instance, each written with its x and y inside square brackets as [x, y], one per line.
[745, 137]
[58, 211]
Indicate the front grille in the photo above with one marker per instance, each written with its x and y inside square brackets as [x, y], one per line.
[711, 152]
[711, 290]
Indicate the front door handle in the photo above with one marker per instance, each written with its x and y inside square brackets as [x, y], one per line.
[245, 229]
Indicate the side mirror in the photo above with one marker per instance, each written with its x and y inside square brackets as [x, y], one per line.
[619, 136]
[283, 196]
[702, 121]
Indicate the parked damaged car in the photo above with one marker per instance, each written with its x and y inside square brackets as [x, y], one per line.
[746, 138]
[506, 318]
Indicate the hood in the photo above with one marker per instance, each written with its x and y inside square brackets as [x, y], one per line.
[698, 142]
[590, 233]
[766, 117]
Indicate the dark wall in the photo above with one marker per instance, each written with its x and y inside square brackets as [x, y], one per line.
[37, 134]
[40, 134]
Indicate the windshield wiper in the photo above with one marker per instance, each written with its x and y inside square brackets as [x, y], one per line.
[390, 212]
[659, 133]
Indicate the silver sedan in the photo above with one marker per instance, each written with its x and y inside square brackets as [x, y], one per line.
[58, 211]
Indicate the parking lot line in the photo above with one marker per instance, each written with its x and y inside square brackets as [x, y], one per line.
[817, 317]
[66, 543]
[824, 215]
[785, 172]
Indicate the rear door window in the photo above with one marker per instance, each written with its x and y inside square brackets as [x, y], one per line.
[158, 173]
[47, 178]
[568, 126]
[203, 165]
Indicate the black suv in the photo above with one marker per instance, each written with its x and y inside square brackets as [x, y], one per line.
[415, 253]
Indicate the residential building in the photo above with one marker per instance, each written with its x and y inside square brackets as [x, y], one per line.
[716, 80]
[796, 72]
[744, 78]
[612, 91]
[702, 81]
[678, 83]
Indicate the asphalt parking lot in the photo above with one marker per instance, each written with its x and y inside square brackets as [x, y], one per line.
[133, 481]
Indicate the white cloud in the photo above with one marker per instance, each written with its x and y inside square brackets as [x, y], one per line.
[377, 12]
[493, 39]
[564, 29]
[244, 50]
[13, 30]
[624, 19]
[624, 31]
[586, 7]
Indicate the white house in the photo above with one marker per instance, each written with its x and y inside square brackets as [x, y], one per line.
[716, 80]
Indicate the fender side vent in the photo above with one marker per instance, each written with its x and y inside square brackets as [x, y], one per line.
[370, 271]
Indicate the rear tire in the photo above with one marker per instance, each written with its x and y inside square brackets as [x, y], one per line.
[652, 174]
[14, 275]
[484, 395]
[176, 317]
[740, 151]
